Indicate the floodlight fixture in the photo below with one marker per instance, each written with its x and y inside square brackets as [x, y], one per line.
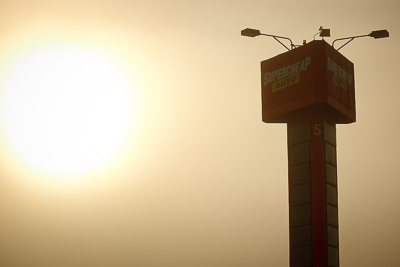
[376, 34]
[379, 34]
[325, 33]
[253, 33]
[250, 32]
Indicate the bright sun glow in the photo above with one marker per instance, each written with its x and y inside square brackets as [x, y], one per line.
[65, 109]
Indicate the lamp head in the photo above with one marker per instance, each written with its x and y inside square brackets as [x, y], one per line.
[325, 32]
[379, 34]
[250, 32]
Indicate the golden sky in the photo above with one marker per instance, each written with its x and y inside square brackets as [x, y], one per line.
[171, 164]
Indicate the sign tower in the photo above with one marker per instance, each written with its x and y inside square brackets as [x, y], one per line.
[311, 88]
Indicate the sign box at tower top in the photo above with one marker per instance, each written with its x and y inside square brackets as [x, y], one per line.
[313, 75]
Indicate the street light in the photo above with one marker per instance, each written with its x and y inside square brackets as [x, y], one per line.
[376, 34]
[253, 33]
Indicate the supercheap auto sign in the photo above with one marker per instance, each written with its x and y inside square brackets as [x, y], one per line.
[311, 74]
[286, 76]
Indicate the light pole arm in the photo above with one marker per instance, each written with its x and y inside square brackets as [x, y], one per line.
[277, 38]
[349, 40]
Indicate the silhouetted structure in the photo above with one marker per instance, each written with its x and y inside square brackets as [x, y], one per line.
[311, 88]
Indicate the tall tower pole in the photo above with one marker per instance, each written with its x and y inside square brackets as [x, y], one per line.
[311, 88]
[313, 199]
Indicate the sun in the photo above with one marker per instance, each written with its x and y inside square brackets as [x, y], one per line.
[65, 109]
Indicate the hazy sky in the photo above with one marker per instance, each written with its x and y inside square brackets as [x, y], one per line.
[191, 177]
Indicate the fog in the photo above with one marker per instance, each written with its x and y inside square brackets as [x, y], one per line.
[202, 181]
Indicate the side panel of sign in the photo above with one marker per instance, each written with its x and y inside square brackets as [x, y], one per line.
[340, 78]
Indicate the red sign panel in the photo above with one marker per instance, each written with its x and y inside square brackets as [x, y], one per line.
[313, 74]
